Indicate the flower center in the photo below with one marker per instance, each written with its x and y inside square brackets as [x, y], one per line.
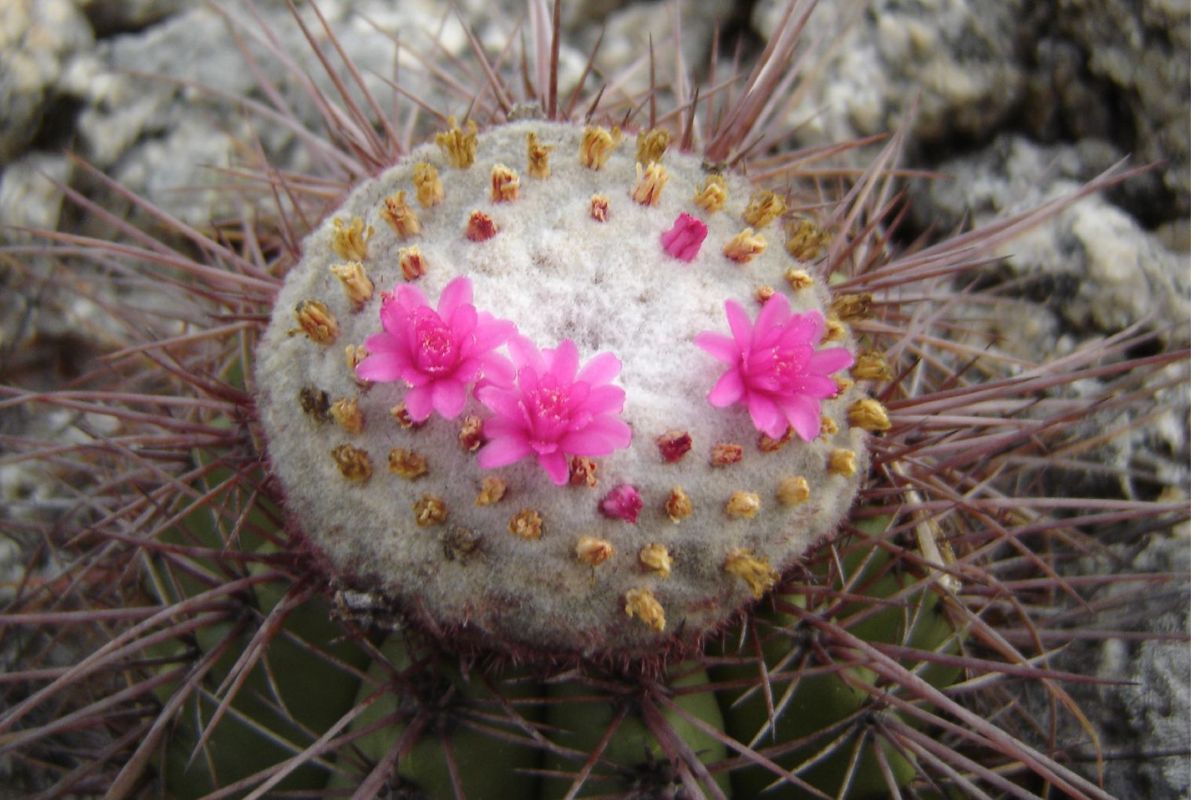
[777, 369]
[555, 410]
[437, 352]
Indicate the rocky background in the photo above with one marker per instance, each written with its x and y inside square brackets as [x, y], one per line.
[1013, 102]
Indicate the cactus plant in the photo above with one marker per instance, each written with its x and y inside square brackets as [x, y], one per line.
[549, 415]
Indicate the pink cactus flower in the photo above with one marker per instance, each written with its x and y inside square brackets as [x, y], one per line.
[685, 237]
[554, 409]
[623, 501]
[775, 367]
[438, 353]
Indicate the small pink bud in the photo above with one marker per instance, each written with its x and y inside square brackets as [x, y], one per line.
[685, 237]
[622, 502]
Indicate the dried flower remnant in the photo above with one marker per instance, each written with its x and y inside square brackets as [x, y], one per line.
[506, 184]
[315, 403]
[358, 287]
[437, 353]
[835, 331]
[774, 367]
[470, 433]
[798, 279]
[829, 427]
[554, 409]
[764, 208]
[792, 490]
[673, 445]
[643, 604]
[596, 146]
[350, 241]
[480, 227]
[763, 293]
[652, 144]
[399, 412]
[457, 145]
[772, 444]
[684, 238]
[429, 510]
[412, 263]
[725, 453]
[316, 322]
[854, 306]
[712, 195]
[868, 414]
[428, 185]
[743, 505]
[623, 502]
[599, 208]
[537, 157]
[345, 412]
[656, 559]
[842, 462]
[593, 551]
[354, 463]
[583, 472]
[407, 463]
[400, 215]
[807, 241]
[491, 491]
[754, 570]
[678, 506]
[526, 524]
[648, 187]
[744, 246]
[871, 365]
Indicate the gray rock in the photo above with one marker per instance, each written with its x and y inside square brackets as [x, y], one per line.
[35, 38]
[29, 193]
[111, 16]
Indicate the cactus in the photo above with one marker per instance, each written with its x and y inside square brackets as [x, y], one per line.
[563, 457]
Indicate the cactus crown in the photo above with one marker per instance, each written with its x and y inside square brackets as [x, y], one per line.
[543, 438]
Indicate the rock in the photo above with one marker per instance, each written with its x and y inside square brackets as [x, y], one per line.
[35, 38]
[1093, 263]
[29, 194]
[116, 16]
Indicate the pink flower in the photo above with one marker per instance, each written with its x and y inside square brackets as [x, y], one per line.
[437, 353]
[685, 237]
[774, 367]
[554, 410]
[624, 501]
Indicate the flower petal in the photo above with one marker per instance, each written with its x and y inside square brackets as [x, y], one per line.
[601, 437]
[490, 332]
[728, 390]
[564, 362]
[419, 402]
[804, 414]
[766, 415]
[606, 399]
[775, 312]
[385, 366]
[720, 347]
[462, 322]
[739, 323]
[456, 293]
[824, 362]
[449, 398]
[555, 465]
[600, 369]
[502, 451]
[525, 354]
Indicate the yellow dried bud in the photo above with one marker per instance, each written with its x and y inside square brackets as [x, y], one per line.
[744, 246]
[350, 242]
[599, 209]
[316, 322]
[655, 558]
[743, 505]
[764, 208]
[526, 523]
[868, 414]
[400, 215]
[754, 570]
[591, 550]
[842, 462]
[792, 491]
[491, 491]
[843, 385]
[428, 185]
[429, 510]
[643, 603]
[835, 331]
[355, 464]
[652, 144]
[798, 279]
[538, 161]
[807, 241]
[852, 306]
[871, 365]
[345, 412]
[678, 505]
[713, 194]
[355, 354]
[407, 463]
[458, 146]
[506, 184]
[412, 263]
[597, 145]
[358, 287]
[828, 426]
[763, 293]
[649, 185]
